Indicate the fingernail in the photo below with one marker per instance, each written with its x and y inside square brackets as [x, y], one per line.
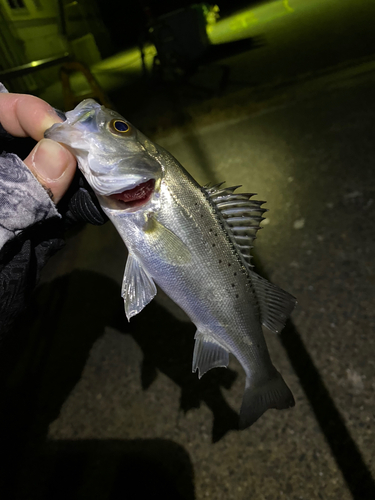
[50, 160]
[50, 118]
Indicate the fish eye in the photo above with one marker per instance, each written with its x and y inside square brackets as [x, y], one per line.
[118, 126]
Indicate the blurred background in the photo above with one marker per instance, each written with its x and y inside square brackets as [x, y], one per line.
[276, 96]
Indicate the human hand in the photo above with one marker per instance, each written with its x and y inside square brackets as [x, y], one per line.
[52, 164]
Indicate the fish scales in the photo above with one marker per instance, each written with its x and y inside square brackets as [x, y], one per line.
[179, 236]
[215, 265]
[203, 287]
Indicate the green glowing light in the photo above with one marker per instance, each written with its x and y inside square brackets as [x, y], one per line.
[287, 6]
[240, 25]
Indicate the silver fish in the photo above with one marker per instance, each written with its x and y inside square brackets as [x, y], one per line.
[193, 242]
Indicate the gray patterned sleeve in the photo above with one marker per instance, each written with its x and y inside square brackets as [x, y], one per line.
[23, 201]
[31, 227]
[30, 233]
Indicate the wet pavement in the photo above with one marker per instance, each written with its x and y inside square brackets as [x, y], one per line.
[101, 408]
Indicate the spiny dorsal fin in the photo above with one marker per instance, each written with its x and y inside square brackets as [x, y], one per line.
[241, 216]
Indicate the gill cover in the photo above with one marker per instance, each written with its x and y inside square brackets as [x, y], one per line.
[111, 153]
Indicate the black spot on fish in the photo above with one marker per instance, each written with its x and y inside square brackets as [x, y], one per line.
[237, 295]
[233, 285]
[220, 261]
[234, 274]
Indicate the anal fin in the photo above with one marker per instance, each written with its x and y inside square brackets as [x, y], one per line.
[208, 354]
[138, 288]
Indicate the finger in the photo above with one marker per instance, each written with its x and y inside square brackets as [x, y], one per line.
[53, 165]
[25, 115]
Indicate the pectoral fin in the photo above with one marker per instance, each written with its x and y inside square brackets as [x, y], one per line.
[208, 354]
[165, 243]
[138, 288]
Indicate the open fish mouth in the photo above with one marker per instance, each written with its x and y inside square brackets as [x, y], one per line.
[136, 196]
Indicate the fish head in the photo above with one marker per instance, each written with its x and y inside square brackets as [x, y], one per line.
[117, 160]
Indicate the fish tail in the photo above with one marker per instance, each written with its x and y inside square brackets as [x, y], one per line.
[273, 393]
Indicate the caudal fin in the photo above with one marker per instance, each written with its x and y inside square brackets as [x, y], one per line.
[274, 393]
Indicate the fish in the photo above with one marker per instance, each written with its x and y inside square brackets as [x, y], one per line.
[192, 241]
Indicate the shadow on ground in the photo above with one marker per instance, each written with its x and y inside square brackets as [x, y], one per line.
[42, 362]
[343, 447]
[105, 470]
[44, 359]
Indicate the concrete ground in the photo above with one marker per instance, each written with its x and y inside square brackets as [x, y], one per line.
[95, 407]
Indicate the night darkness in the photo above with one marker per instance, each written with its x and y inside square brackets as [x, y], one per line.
[127, 20]
[280, 101]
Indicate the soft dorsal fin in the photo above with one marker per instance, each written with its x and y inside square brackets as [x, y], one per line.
[240, 215]
[275, 304]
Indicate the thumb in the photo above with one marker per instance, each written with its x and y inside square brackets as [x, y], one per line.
[53, 165]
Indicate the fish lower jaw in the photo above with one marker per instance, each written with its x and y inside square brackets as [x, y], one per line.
[135, 197]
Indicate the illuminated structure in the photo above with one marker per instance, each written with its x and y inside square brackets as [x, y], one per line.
[31, 30]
